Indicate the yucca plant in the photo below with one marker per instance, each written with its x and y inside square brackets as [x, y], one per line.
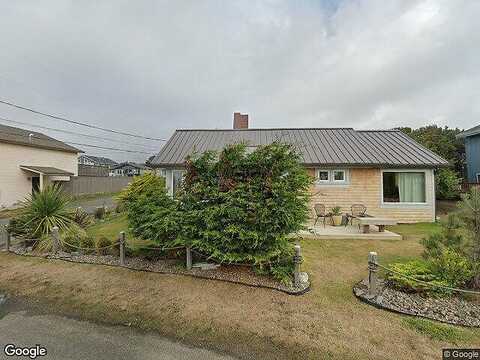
[46, 209]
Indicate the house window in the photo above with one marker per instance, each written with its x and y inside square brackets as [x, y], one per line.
[177, 178]
[326, 176]
[338, 175]
[404, 187]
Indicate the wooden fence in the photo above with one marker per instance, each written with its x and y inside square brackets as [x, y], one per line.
[83, 185]
[467, 186]
[90, 170]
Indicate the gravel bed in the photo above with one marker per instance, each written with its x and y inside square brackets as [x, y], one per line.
[229, 273]
[451, 310]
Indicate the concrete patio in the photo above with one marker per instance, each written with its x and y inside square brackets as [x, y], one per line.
[347, 232]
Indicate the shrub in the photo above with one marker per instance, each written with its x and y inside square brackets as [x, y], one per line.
[82, 218]
[447, 184]
[101, 246]
[145, 184]
[44, 210]
[99, 212]
[453, 268]
[77, 239]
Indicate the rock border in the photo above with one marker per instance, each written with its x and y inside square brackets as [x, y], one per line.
[225, 273]
[453, 310]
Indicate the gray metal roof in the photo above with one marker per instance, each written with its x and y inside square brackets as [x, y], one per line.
[17, 136]
[470, 132]
[318, 146]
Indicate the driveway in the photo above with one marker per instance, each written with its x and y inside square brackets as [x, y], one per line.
[66, 338]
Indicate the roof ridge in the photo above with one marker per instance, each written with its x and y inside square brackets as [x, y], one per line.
[270, 129]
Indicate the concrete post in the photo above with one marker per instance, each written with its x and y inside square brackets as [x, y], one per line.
[372, 273]
[297, 260]
[122, 248]
[55, 239]
[189, 258]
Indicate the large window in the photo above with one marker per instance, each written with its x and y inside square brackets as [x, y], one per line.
[327, 176]
[403, 187]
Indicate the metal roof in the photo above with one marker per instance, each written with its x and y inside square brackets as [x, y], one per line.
[470, 132]
[98, 160]
[318, 146]
[46, 170]
[17, 136]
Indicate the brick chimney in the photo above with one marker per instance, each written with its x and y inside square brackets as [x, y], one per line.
[240, 121]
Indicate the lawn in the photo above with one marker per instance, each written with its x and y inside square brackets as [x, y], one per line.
[326, 323]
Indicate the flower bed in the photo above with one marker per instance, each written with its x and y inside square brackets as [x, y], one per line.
[452, 310]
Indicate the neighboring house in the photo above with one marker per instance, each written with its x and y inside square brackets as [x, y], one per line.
[472, 153]
[90, 160]
[385, 170]
[30, 160]
[129, 169]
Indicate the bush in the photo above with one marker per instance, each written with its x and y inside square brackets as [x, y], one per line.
[101, 246]
[82, 218]
[99, 212]
[77, 239]
[417, 269]
[447, 184]
[148, 183]
[44, 210]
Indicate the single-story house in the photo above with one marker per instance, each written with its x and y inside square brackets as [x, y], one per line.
[129, 169]
[90, 160]
[472, 153]
[387, 171]
[30, 160]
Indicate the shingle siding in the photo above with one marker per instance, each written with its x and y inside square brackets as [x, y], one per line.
[472, 152]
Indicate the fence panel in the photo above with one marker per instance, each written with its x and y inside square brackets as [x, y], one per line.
[84, 185]
[90, 170]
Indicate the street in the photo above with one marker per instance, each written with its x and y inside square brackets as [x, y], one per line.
[66, 338]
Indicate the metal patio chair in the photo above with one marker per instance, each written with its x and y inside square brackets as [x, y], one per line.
[357, 211]
[321, 213]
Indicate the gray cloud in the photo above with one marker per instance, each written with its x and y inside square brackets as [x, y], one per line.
[152, 66]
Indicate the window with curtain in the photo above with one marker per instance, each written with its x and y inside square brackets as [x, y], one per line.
[404, 187]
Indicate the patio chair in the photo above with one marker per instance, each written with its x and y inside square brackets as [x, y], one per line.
[357, 211]
[320, 212]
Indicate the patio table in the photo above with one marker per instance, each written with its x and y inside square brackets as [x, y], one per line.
[365, 223]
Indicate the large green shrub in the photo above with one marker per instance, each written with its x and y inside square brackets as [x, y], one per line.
[147, 183]
[447, 184]
[240, 206]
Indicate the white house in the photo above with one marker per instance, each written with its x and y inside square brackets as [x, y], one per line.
[30, 160]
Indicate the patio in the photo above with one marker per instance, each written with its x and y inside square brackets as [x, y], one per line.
[347, 232]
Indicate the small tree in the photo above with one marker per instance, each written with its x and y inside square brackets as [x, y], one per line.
[470, 215]
[447, 184]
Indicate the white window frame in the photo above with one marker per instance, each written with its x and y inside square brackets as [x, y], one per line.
[400, 204]
[331, 179]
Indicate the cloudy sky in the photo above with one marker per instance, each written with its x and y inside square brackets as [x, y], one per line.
[149, 67]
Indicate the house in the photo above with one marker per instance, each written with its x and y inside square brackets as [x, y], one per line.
[30, 160]
[385, 170]
[129, 169]
[472, 153]
[90, 160]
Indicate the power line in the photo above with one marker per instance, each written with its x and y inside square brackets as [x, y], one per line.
[71, 132]
[78, 122]
[74, 143]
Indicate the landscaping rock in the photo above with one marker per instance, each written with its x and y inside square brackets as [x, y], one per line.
[452, 310]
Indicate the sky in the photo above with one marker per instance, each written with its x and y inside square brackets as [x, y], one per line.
[150, 66]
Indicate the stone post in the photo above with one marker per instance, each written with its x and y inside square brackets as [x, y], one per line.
[122, 248]
[297, 260]
[55, 239]
[372, 273]
[189, 258]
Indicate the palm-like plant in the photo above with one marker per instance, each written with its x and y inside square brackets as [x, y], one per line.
[46, 209]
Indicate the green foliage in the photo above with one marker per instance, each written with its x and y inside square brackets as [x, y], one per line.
[44, 210]
[241, 207]
[448, 238]
[82, 218]
[441, 141]
[336, 210]
[235, 206]
[148, 182]
[447, 184]
[77, 239]
[102, 246]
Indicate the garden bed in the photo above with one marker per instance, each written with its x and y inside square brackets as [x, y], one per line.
[230, 273]
[451, 310]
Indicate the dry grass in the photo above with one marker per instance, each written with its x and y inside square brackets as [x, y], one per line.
[328, 322]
